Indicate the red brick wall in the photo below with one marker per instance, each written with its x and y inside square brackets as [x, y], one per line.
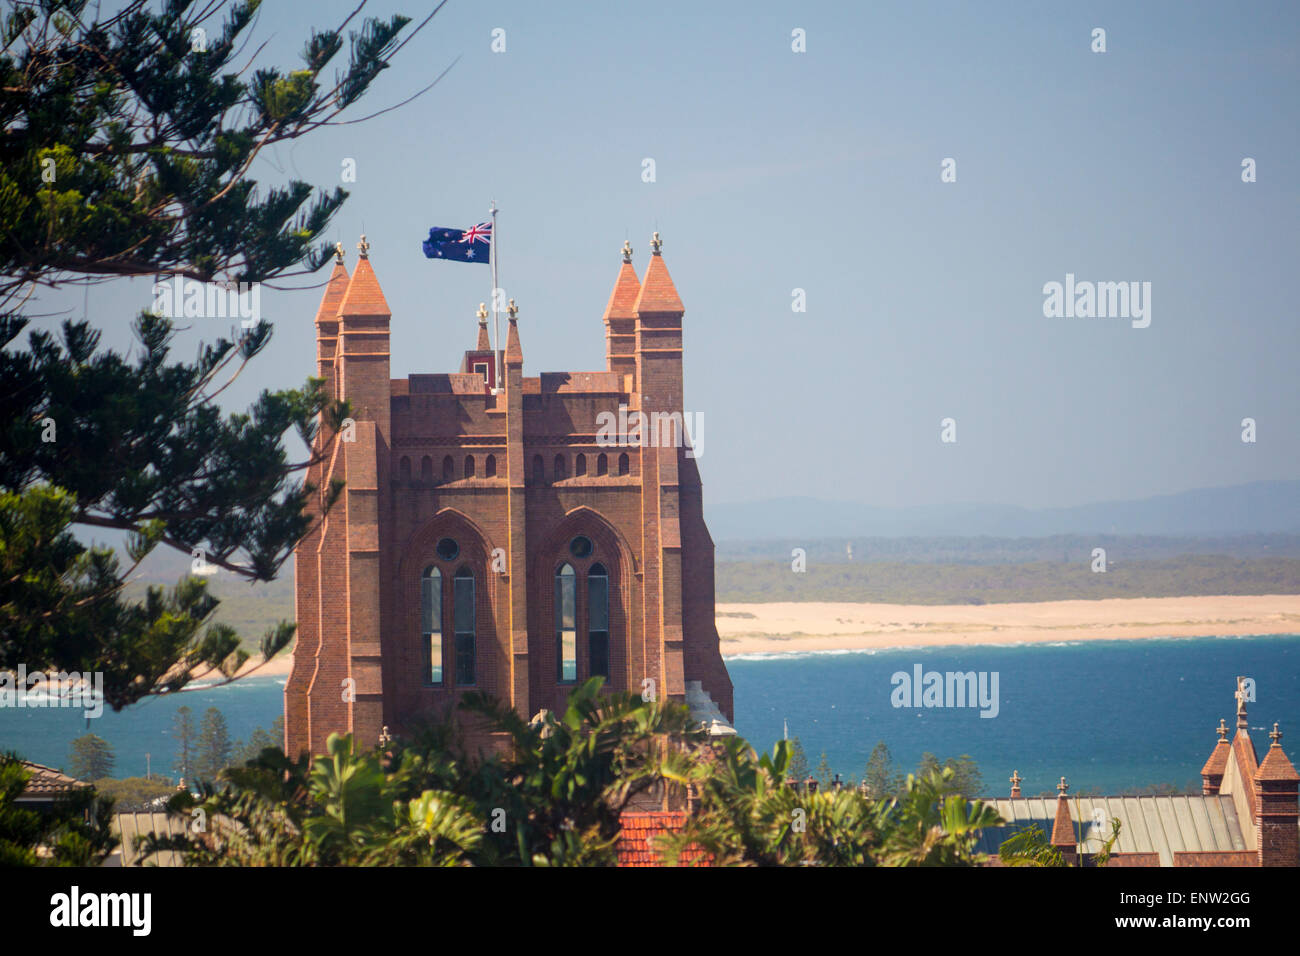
[358, 578]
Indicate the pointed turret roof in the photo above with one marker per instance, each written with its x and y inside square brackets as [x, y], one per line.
[1275, 765]
[334, 288]
[514, 351]
[622, 301]
[1218, 762]
[1063, 826]
[484, 343]
[363, 296]
[658, 294]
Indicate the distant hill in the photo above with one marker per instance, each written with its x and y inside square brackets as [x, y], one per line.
[1260, 507]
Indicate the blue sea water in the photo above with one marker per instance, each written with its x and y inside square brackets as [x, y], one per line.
[1105, 714]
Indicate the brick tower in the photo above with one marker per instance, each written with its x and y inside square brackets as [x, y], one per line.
[502, 537]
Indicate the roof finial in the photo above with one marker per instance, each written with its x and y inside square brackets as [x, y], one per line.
[1222, 729]
[512, 310]
[364, 247]
[656, 245]
[1015, 783]
[1242, 723]
[338, 253]
[1276, 735]
[627, 251]
[1062, 787]
[482, 314]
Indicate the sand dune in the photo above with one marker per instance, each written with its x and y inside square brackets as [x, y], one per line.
[794, 627]
[773, 628]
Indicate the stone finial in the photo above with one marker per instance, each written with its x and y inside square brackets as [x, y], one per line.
[627, 251]
[512, 310]
[1242, 723]
[385, 738]
[338, 253]
[482, 314]
[1063, 788]
[1222, 729]
[1276, 735]
[1015, 783]
[656, 245]
[364, 247]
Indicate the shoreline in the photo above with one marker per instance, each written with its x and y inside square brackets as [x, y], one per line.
[809, 627]
[798, 628]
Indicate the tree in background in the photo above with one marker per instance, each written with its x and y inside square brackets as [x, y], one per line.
[824, 775]
[184, 734]
[212, 754]
[928, 764]
[90, 758]
[881, 777]
[798, 765]
[126, 142]
[260, 739]
[966, 775]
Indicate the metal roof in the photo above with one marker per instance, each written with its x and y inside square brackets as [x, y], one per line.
[1161, 825]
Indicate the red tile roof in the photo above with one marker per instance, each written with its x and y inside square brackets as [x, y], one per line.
[636, 843]
[363, 295]
[622, 301]
[46, 781]
[657, 293]
[334, 291]
[1276, 766]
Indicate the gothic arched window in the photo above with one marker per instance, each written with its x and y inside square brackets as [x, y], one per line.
[469, 466]
[463, 622]
[602, 464]
[490, 466]
[426, 470]
[597, 621]
[566, 624]
[448, 468]
[580, 466]
[561, 470]
[623, 464]
[431, 624]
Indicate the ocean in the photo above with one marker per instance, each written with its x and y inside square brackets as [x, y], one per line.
[1107, 715]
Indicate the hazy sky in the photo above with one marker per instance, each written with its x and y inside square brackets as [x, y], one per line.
[820, 170]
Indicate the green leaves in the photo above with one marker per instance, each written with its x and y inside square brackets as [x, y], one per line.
[73, 832]
[151, 122]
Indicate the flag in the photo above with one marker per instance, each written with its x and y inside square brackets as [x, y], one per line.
[467, 245]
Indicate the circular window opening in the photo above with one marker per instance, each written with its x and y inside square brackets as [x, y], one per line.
[448, 549]
[580, 547]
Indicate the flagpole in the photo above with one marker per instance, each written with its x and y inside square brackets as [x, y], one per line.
[496, 322]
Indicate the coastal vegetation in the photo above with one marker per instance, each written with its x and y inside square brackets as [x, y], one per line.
[128, 141]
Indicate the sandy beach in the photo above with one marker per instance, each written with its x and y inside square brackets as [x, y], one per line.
[790, 627]
[801, 627]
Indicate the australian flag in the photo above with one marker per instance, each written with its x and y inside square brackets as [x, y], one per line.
[468, 245]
